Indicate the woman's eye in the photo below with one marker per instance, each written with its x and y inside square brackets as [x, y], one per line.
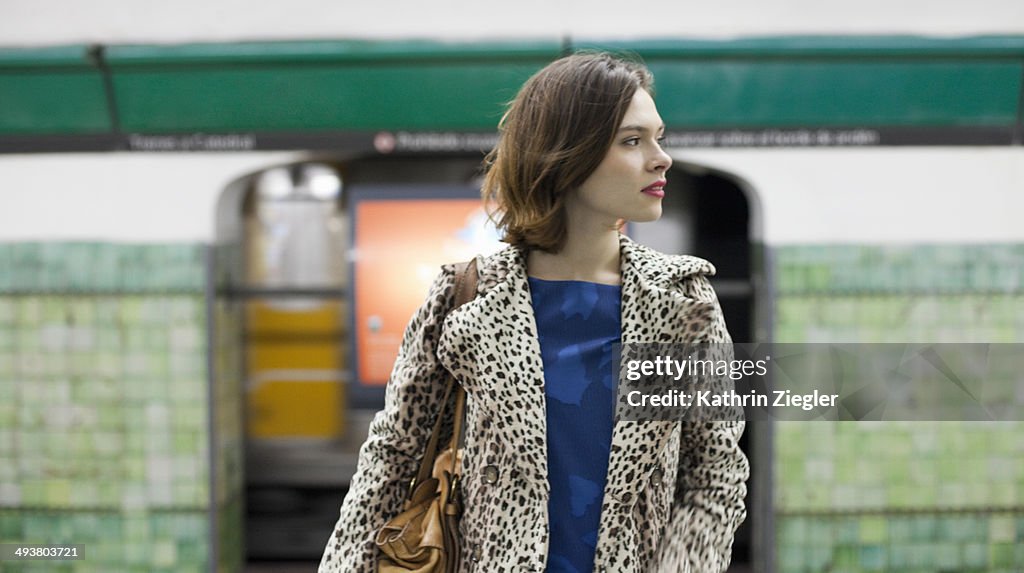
[661, 141]
[633, 141]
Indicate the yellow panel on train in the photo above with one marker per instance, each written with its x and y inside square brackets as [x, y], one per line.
[295, 409]
[297, 355]
[296, 371]
[325, 318]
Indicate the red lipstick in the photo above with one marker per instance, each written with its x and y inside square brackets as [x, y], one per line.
[656, 189]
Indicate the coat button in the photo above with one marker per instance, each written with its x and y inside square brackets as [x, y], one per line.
[656, 476]
[491, 474]
[477, 552]
[626, 497]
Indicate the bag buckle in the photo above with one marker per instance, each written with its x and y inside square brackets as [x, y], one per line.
[454, 486]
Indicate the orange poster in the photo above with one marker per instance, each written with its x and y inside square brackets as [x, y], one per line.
[400, 246]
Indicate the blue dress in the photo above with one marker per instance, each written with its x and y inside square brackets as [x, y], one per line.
[577, 324]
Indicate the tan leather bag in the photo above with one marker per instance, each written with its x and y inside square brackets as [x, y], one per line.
[423, 538]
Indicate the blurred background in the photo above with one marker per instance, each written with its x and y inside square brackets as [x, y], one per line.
[217, 218]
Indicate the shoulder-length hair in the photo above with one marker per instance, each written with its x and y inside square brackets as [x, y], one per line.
[552, 137]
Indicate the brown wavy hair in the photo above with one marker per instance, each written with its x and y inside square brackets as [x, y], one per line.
[553, 135]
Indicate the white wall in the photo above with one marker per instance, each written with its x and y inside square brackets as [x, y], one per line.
[46, 22]
[118, 196]
[878, 195]
[881, 195]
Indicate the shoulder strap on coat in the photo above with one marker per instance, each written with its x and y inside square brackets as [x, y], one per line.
[465, 283]
[465, 291]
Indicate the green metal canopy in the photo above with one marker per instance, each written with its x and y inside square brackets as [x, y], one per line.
[52, 91]
[327, 89]
[320, 86]
[834, 81]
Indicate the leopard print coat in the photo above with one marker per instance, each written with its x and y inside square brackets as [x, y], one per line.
[675, 490]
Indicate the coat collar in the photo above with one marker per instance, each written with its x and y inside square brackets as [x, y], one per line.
[640, 266]
[503, 310]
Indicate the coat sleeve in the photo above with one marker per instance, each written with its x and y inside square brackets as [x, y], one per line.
[710, 488]
[397, 436]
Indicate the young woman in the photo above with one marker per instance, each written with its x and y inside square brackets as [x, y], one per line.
[551, 481]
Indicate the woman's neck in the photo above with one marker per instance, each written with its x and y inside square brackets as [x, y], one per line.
[586, 256]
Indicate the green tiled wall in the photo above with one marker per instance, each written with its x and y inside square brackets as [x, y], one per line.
[107, 401]
[887, 317]
[989, 542]
[881, 466]
[899, 496]
[848, 270]
[131, 542]
[104, 410]
[62, 268]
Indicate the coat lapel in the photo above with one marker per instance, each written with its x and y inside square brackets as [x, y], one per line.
[654, 310]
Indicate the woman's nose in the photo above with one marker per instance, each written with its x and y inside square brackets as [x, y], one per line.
[661, 160]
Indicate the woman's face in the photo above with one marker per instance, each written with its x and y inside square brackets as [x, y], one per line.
[628, 183]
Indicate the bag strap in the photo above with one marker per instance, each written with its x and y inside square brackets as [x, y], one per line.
[465, 291]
